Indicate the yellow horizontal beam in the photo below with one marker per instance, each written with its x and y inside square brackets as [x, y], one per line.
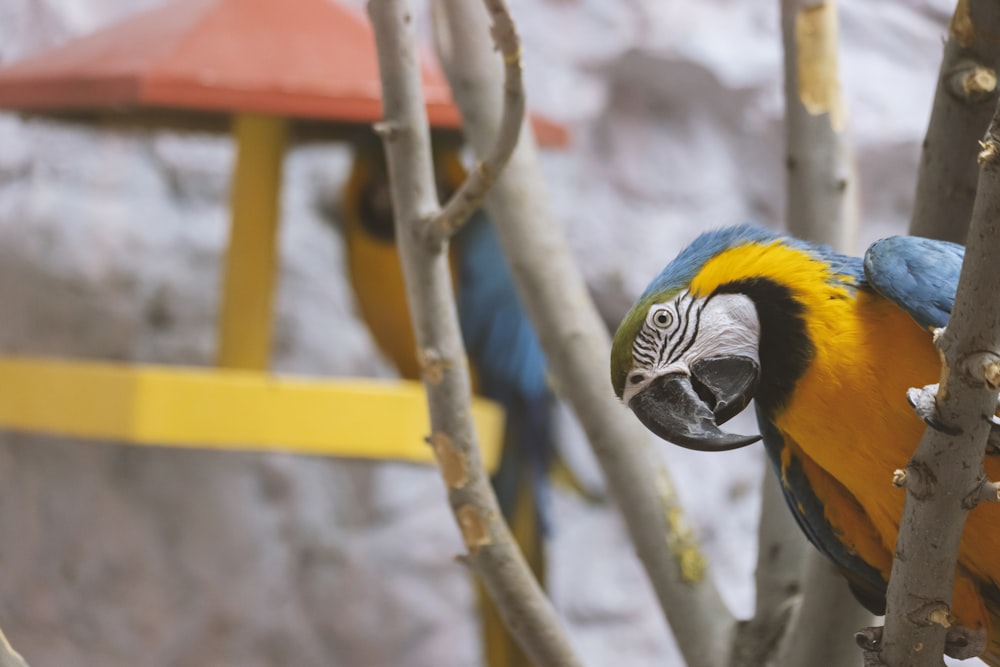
[227, 409]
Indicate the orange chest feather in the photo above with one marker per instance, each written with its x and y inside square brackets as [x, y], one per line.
[849, 418]
[377, 278]
[848, 413]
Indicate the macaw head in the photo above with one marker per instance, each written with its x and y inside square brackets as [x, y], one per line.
[686, 360]
[366, 194]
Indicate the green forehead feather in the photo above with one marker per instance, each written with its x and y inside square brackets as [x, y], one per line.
[621, 346]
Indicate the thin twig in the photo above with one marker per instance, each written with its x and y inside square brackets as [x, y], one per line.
[577, 347]
[470, 195]
[946, 469]
[492, 553]
[963, 102]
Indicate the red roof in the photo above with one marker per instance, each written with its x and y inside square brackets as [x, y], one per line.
[305, 59]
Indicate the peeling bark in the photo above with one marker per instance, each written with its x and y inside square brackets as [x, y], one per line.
[822, 179]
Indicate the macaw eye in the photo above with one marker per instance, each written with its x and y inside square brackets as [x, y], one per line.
[636, 378]
[662, 318]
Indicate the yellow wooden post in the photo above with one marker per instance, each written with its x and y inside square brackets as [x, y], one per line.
[245, 320]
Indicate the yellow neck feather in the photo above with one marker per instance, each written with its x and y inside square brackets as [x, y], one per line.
[810, 278]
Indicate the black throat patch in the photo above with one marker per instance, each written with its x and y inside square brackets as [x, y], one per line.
[785, 348]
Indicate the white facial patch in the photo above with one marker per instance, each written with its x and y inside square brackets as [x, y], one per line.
[679, 332]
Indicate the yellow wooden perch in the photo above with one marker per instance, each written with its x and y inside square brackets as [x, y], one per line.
[227, 409]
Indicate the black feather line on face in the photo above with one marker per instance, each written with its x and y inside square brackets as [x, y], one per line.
[683, 324]
[785, 349]
[697, 327]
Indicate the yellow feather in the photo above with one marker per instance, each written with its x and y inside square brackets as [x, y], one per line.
[377, 277]
[374, 267]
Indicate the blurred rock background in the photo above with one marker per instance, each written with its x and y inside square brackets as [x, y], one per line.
[110, 246]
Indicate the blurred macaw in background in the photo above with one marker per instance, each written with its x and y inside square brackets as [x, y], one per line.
[827, 345]
[506, 360]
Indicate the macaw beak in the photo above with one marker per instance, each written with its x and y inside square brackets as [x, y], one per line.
[687, 410]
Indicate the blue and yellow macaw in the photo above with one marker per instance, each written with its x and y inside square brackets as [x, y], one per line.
[505, 357]
[827, 345]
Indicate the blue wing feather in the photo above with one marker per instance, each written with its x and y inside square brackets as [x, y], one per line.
[508, 359]
[497, 332]
[917, 274]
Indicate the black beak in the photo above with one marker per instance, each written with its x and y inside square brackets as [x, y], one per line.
[687, 410]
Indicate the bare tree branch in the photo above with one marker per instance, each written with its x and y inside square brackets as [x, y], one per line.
[945, 475]
[492, 553]
[577, 347]
[826, 620]
[963, 102]
[804, 608]
[8, 656]
[779, 559]
[780, 554]
[822, 179]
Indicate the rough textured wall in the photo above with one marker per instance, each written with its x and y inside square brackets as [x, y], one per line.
[110, 247]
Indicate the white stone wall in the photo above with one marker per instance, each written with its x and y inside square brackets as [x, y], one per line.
[110, 247]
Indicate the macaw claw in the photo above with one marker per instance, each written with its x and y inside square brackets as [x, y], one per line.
[924, 403]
